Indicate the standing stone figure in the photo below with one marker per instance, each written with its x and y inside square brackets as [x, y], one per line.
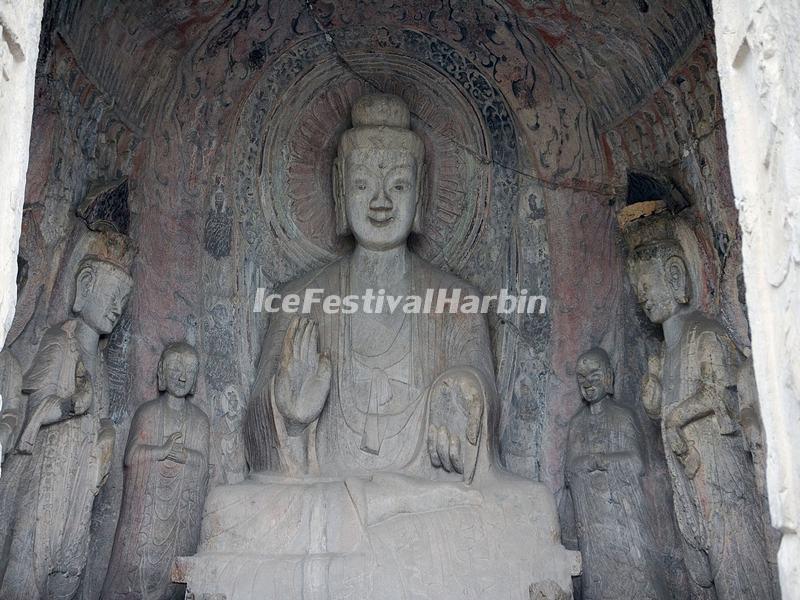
[604, 469]
[691, 389]
[64, 452]
[166, 476]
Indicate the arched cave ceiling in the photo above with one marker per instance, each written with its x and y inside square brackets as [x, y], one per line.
[562, 64]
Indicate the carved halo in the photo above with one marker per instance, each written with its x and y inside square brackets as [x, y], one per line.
[303, 131]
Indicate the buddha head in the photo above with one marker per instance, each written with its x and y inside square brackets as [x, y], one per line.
[595, 375]
[177, 369]
[661, 279]
[378, 174]
[102, 283]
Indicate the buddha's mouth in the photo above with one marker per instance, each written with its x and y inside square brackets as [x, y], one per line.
[380, 222]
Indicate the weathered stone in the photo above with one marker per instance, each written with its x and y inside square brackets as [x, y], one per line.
[532, 114]
[14, 403]
[376, 425]
[605, 464]
[20, 23]
[64, 452]
[758, 44]
[166, 475]
[691, 388]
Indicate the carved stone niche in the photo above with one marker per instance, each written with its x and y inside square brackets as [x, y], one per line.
[372, 437]
[697, 388]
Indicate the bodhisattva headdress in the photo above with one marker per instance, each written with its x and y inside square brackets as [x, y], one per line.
[380, 122]
[652, 233]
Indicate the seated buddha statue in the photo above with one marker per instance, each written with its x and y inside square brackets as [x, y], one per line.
[371, 435]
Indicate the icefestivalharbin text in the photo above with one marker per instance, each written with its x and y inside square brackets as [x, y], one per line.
[433, 301]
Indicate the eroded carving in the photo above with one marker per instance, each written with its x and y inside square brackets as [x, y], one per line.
[12, 416]
[64, 451]
[605, 463]
[166, 475]
[367, 428]
[691, 388]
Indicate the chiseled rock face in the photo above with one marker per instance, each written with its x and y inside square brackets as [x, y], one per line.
[64, 453]
[759, 74]
[693, 387]
[378, 429]
[210, 132]
[604, 469]
[166, 479]
[20, 23]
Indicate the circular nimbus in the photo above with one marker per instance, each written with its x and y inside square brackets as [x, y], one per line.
[300, 143]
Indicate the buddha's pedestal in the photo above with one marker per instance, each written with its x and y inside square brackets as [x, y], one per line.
[389, 537]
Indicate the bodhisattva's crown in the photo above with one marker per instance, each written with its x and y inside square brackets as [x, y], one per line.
[111, 247]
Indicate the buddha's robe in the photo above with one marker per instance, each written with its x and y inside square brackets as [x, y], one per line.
[616, 542]
[67, 465]
[717, 508]
[368, 516]
[162, 503]
[376, 415]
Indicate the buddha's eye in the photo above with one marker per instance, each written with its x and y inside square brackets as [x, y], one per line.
[361, 185]
[399, 187]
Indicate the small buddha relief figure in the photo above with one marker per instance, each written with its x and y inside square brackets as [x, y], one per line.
[166, 477]
[63, 454]
[691, 388]
[604, 467]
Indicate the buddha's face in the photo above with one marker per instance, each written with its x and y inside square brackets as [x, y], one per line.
[655, 295]
[178, 372]
[101, 295]
[595, 378]
[380, 188]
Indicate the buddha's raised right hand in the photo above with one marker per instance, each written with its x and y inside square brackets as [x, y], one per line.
[303, 379]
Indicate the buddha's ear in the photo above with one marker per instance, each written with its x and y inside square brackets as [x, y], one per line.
[196, 377]
[422, 185]
[342, 228]
[84, 283]
[678, 278]
[162, 382]
[610, 378]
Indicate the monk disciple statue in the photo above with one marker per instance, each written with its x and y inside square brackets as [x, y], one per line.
[64, 451]
[166, 475]
[691, 389]
[371, 434]
[604, 470]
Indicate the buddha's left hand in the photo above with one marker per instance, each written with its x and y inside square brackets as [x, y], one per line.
[456, 414]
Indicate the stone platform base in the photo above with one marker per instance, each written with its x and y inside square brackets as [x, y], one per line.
[388, 538]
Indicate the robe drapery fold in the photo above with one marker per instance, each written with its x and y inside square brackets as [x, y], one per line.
[48, 548]
[717, 508]
[162, 505]
[354, 425]
[617, 545]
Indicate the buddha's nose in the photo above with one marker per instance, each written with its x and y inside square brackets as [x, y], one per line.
[381, 202]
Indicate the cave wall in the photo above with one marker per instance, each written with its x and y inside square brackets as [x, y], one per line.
[217, 123]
